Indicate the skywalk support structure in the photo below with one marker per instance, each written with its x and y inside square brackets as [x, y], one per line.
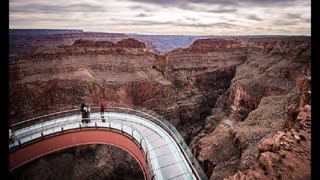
[153, 141]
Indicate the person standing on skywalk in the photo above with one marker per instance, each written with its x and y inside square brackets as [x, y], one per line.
[101, 109]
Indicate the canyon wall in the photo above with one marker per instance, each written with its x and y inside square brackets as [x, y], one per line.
[231, 99]
[65, 77]
[24, 41]
[255, 124]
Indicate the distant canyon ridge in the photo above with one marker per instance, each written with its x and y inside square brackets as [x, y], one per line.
[242, 104]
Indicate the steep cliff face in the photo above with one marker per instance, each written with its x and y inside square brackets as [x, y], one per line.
[286, 153]
[65, 77]
[200, 74]
[216, 45]
[225, 96]
[264, 97]
[26, 40]
[182, 85]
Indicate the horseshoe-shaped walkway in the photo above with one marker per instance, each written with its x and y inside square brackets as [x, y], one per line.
[153, 141]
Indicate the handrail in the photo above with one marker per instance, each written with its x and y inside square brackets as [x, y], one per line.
[133, 130]
[47, 115]
[166, 125]
[159, 120]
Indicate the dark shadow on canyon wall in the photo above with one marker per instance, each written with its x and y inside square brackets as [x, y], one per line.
[85, 162]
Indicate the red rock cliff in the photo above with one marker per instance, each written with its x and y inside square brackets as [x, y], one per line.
[265, 96]
[225, 96]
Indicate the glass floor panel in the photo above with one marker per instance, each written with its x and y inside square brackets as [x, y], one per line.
[165, 155]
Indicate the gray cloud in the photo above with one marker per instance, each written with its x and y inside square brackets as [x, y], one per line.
[217, 25]
[140, 8]
[181, 24]
[254, 17]
[167, 16]
[205, 25]
[293, 16]
[307, 20]
[53, 8]
[30, 21]
[216, 9]
[288, 22]
[192, 19]
[222, 10]
[136, 22]
[218, 2]
[141, 15]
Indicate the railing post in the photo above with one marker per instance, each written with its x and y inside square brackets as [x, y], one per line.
[147, 157]
[140, 143]
[132, 133]
[121, 127]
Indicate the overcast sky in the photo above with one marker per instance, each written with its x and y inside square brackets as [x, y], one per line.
[189, 17]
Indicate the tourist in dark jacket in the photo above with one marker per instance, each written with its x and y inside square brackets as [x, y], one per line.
[82, 106]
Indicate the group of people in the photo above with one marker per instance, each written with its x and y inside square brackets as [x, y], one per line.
[85, 109]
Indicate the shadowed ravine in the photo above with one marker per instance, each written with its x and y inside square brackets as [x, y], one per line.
[83, 162]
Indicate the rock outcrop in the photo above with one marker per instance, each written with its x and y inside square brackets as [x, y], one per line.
[25, 42]
[285, 155]
[229, 98]
[200, 74]
[264, 98]
[64, 77]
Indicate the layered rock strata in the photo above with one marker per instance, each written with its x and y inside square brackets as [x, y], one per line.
[24, 42]
[64, 77]
[264, 98]
[229, 98]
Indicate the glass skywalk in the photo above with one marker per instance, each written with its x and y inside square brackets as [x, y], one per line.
[165, 152]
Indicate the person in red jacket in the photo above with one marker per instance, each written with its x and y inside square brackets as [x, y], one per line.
[102, 109]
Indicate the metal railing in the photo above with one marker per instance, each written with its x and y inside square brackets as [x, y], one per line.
[137, 111]
[115, 125]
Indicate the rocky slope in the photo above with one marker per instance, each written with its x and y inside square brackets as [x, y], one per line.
[265, 97]
[229, 98]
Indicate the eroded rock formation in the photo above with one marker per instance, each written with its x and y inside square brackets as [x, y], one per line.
[24, 41]
[229, 98]
[264, 98]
